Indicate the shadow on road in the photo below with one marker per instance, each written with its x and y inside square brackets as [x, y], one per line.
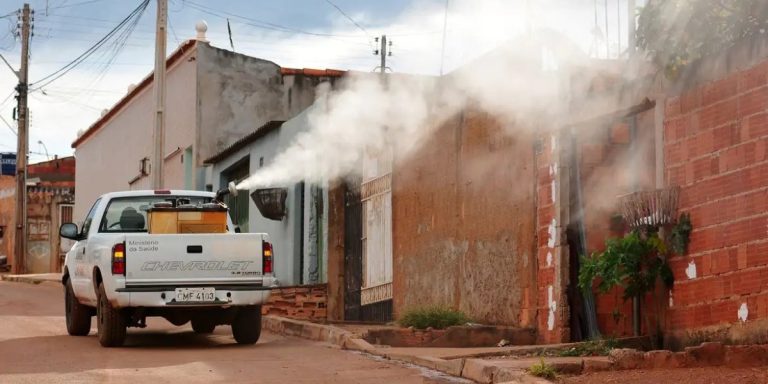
[143, 349]
[22, 299]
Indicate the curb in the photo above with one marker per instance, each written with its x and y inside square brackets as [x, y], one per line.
[471, 369]
[28, 279]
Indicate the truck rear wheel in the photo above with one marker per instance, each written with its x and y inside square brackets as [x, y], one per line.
[246, 327]
[203, 326]
[78, 316]
[111, 323]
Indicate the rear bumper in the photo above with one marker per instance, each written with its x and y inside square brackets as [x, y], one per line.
[165, 296]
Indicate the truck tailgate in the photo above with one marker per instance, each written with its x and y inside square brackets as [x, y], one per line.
[193, 259]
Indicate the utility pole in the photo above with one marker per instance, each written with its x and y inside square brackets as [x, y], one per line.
[20, 244]
[383, 52]
[160, 39]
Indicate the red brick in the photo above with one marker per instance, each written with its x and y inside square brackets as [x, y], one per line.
[757, 254]
[762, 306]
[746, 282]
[730, 209]
[754, 77]
[741, 256]
[700, 144]
[690, 100]
[704, 167]
[726, 135]
[675, 153]
[717, 114]
[704, 266]
[753, 102]
[592, 154]
[719, 90]
[724, 185]
[706, 239]
[757, 125]
[672, 107]
[721, 261]
[746, 230]
[676, 176]
[620, 133]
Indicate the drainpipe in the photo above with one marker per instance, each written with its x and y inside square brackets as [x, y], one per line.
[301, 232]
[593, 332]
[633, 168]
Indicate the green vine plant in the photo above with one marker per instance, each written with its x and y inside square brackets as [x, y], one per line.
[681, 234]
[635, 262]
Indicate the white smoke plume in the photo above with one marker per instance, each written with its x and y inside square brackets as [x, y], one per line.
[520, 83]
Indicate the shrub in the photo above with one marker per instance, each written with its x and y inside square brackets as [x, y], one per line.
[434, 317]
[591, 348]
[543, 370]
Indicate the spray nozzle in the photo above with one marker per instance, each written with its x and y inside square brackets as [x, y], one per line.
[230, 189]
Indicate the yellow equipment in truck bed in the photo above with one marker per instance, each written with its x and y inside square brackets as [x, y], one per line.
[171, 220]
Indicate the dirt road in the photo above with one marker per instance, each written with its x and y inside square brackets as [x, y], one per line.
[35, 348]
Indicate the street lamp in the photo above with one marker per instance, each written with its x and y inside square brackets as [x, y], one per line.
[45, 148]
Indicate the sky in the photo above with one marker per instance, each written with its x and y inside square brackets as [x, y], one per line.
[291, 33]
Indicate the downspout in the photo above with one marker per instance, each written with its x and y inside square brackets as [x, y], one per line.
[301, 233]
[593, 332]
[634, 185]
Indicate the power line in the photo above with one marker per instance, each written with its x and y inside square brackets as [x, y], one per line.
[348, 17]
[136, 13]
[265, 24]
[173, 30]
[8, 125]
[75, 4]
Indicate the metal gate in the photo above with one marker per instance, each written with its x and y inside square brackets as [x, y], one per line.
[353, 250]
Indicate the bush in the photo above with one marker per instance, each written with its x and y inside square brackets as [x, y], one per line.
[543, 370]
[591, 348]
[434, 317]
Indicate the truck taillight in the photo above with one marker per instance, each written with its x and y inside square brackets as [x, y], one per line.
[118, 259]
[266, 248]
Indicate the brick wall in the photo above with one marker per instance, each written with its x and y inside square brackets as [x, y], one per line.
[300, 302]
[463, 214]
[552, 312]
[716, 150]
[609, 169]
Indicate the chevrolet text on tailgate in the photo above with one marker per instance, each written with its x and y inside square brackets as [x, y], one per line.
[173, 254]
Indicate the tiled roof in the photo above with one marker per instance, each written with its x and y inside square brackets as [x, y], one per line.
[243, 142]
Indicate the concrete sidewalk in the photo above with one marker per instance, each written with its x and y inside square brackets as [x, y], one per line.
[482, 365]
[33, 278]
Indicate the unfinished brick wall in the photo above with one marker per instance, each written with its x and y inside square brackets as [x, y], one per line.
[299, 302]
[609, 169]
[463, 215]
[715, 149]
[552, 304]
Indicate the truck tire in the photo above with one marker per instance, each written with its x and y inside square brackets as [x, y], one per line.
[78, 316]
[246, 327]
[110, 322]
[203, 327]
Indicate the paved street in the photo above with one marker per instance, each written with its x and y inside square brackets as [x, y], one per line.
[35, 348]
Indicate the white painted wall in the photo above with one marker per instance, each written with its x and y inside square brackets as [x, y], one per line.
[109, 159]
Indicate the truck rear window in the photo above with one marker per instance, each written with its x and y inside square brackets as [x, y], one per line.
[129, 214]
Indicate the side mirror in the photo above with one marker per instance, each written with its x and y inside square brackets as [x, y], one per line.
[69, 231]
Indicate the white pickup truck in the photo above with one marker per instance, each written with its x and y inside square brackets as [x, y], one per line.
[122, 274]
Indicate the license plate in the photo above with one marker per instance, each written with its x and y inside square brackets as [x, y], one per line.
[195, 294]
